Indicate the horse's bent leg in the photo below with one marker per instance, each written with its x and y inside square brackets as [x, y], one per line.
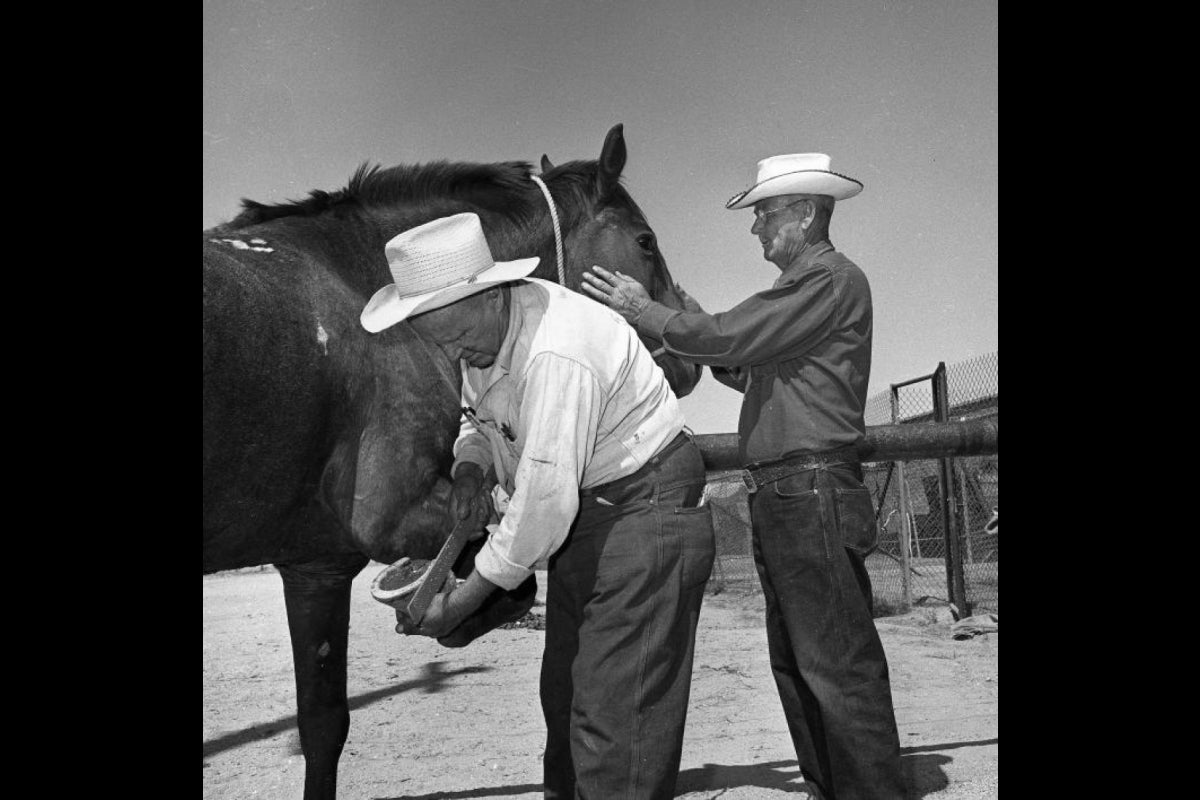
[317, 596]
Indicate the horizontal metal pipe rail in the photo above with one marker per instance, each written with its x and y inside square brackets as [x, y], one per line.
[904, 442]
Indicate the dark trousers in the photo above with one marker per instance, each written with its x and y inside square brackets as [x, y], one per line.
[812, 531]
[622, 604]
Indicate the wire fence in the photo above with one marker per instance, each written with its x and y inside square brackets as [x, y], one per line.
[908, 498]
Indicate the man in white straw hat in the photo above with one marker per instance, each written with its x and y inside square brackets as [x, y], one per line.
[566, 409]
[801, 353]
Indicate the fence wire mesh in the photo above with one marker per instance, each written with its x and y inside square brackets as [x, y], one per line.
[908, 502]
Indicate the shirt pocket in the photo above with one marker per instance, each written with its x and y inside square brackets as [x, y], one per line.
[856, 519]
[508, 416]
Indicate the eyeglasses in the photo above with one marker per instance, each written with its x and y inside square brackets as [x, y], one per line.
[761, 216]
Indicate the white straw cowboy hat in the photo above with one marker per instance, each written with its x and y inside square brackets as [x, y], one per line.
[436, 264]
[797, 173]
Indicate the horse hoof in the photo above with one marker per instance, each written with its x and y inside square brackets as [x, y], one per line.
[393, 585]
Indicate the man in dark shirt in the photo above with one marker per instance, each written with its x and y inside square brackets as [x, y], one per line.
[801, 353]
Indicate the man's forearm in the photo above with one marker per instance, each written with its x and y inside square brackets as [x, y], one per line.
[465, 467]
[468, 597]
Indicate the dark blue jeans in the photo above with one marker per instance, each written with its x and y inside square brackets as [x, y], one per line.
[812, 531]
[622, 602]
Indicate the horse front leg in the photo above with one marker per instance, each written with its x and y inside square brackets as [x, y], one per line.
[317, 596]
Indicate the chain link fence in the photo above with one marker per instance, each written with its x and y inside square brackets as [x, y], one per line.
[908, 498]
[726, 498]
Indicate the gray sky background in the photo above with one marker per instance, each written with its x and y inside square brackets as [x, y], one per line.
[902, 95]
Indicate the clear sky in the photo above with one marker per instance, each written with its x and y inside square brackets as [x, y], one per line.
[902, 95]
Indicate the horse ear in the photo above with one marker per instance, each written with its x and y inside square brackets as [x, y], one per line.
[546, 165]
[612, 161]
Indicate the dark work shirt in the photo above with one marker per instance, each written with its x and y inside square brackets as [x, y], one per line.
[800, 351]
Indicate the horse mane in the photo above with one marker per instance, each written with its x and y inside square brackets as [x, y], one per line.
[574, 185]
[502, 187]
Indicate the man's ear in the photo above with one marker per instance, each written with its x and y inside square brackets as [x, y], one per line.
[495, 294]
[809, 215]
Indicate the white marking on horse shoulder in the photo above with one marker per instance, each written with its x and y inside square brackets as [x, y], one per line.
[240, 245]
[257, 240]
[322, 338]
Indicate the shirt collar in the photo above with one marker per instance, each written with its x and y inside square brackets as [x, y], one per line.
[515, 346]
[801, 263]
[504, 358]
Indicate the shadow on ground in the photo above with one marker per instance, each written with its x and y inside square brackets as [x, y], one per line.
[434, 679]
[496, 791]
[776, 775]
[922, 765]
[781, 776]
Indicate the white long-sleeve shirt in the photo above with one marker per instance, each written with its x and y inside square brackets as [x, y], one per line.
[573, 400]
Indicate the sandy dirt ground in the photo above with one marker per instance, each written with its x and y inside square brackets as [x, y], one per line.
[429, 722]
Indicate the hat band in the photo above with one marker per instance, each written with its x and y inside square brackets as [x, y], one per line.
[799, 171]
[467, 279]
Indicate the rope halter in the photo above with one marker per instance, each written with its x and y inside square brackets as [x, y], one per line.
[558, 245]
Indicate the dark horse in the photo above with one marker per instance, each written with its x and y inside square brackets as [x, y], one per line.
[326, 446]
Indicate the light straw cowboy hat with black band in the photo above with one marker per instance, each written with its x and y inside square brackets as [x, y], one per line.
[436, 264]
[796, 173]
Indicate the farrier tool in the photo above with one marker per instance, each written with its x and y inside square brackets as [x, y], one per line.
[438, 576]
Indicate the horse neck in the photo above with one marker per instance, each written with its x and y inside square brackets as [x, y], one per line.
[537, 237]
[353, 245]
[509, 238]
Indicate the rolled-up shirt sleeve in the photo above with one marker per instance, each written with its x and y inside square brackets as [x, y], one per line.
[772, 325]
[559, 420]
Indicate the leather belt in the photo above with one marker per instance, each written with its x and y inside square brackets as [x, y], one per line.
[757, 477]
[670, 447]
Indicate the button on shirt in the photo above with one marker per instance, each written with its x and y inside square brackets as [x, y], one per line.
[800, 351]
[573, 400]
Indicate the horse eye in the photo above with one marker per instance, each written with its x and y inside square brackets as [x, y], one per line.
[646, 242]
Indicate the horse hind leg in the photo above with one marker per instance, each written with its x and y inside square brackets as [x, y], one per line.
[317, 596]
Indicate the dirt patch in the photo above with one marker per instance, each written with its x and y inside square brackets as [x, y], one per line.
[429, 722]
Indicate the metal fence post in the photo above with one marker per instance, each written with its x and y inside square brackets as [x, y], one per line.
[905, 522]
[955, 581]
[966, 509]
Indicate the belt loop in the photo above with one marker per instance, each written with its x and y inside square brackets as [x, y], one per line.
[748, 480]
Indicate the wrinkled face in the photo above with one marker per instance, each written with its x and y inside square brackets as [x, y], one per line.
[471, 329]
[780, 224]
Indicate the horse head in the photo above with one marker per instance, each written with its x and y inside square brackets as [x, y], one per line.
[610, 230]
